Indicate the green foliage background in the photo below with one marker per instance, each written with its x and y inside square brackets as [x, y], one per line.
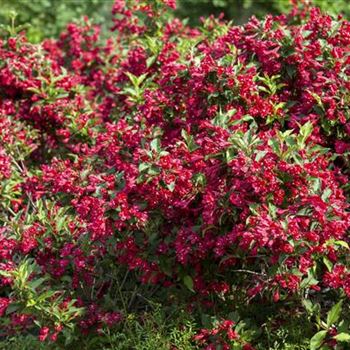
[47, 18]
[241, 10]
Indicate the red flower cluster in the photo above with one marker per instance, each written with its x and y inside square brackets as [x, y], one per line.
[211, 162]
[224, 328]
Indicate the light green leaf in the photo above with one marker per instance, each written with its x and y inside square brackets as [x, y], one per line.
[171, 186]
[143, 167]
[308, 306]
[328, 263]
[310, 280]
[260, 155]
[334, 314]
[317, 340]
[343, 337]
[155, 145]
[343, 244]
[327, 192]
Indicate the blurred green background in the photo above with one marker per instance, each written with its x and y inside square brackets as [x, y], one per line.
[241, 10]
[47, 18]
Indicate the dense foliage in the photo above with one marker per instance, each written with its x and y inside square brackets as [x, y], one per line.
[204, 170]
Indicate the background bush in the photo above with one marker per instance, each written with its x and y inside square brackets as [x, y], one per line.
[47, 18]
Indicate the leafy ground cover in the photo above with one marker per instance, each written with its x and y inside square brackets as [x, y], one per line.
[176, 188]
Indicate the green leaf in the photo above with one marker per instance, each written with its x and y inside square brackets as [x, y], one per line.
[319, 149]
[272, 210]
[189, 140]
[184, 134]
[171, 186]
[316, 186]
[334, 314]
[342, 243]
[306, 129]
[60, 223]
[12, 308]
[199, 179]
[304, 132]
[222, 119]
[328, 263]
[275, 145]
[46, 295]
[317, 340]
[188, 282]
[153, 170]
[260, 155]
[230, 154]
[254, 208]
[308, 306]
[136, 80]
[36, 283]
[143, 167]
[327, 192]
[343, 337]
[155, 145]
[310, 280]
[150, 60]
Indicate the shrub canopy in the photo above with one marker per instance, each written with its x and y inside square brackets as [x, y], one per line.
[207, 167]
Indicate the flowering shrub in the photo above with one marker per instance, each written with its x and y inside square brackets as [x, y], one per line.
[198, 168]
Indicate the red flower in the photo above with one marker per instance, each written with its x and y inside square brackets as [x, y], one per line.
[43, 333]
[4, 303]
